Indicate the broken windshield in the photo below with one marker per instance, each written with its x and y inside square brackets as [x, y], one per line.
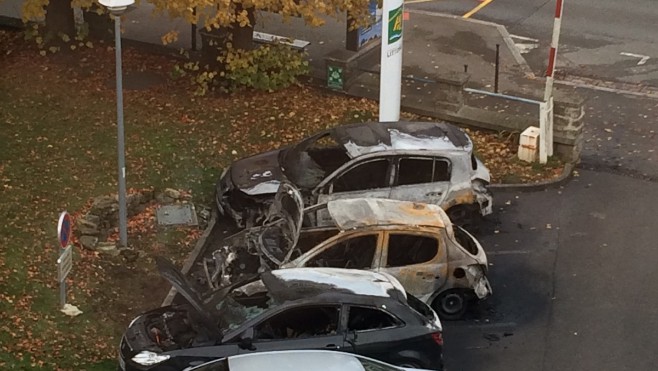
[310, 161]
[243, 304]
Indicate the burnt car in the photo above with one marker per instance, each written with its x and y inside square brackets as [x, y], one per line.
[353, 311]
[430, 162]
[298, 360]
[443, 265]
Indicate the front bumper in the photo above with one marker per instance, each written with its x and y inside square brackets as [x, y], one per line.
[478, 281]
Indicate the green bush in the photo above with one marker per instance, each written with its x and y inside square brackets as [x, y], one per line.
[268, 67]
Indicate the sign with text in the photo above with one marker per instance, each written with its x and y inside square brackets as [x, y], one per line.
[64, 263]
[395, 25]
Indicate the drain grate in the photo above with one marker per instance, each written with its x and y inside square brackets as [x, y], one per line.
[183, 214]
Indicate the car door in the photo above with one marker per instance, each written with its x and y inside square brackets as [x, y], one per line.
[368, 178]
[354, 250]
[371, 331]
[417, 259]
[421, 179]
[298, 327]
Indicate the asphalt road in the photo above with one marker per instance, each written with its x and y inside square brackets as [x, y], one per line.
[594, 34]
[574, 278]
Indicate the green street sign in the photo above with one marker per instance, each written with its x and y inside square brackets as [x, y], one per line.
[335, 77]
[394, 25]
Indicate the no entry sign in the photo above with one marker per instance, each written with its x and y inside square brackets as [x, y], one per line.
[64, 229]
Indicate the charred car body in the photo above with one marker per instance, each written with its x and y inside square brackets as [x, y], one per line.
[430, 162]
[355, 311]
[444, 266]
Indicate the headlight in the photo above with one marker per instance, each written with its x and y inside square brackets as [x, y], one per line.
[146, 358]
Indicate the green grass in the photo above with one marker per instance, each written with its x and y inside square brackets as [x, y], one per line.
[58, 150]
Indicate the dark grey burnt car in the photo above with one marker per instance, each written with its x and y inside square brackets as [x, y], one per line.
[429, 162]
[354, 311]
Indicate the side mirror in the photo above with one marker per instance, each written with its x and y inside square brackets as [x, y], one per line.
[246, 340]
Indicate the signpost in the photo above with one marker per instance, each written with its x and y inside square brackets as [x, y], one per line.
[390, 84]
[65, 260]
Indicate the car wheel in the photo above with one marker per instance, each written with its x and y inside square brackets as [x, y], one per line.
[451, 304]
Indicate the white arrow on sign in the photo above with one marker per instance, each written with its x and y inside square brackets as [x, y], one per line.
[525, 47]
[643, 58]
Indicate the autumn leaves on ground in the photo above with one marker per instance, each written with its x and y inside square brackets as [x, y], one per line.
[58, 150]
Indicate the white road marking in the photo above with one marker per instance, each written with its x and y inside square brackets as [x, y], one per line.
[510, 252]
[525, 47]
[583, 85]
[524, 38]
[643, 58]
[483, 324]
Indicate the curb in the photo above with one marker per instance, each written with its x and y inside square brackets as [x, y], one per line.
[527, 187]
[198, 248]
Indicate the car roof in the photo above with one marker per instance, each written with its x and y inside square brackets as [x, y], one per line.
[306, 283]
[298, 360]
[366, 212]
[360, 139]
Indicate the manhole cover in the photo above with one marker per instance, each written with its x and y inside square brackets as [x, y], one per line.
[183, 214]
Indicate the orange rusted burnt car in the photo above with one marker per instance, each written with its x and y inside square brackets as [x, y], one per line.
[439, 263]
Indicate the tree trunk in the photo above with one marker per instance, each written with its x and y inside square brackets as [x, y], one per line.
[214, 41]
[100, 26]
[243, 36]
[60, 19]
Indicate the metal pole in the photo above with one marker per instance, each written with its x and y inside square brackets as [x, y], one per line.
[390, 80]
[552, 57]
[194, 29]
[497, 68]
[62, 293]
[123, 234]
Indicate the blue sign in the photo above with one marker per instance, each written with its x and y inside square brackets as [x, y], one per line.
[64, 229]
[374, 31]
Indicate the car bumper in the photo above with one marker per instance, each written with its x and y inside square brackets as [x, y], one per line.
[479, 281]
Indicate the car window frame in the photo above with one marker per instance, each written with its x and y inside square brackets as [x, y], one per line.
[327, 185]
[429, 234]
[396, 177]
[400, 322]
[339, 326]
[318, 249]
[437, 235]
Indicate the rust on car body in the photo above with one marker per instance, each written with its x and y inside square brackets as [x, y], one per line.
[437, 262]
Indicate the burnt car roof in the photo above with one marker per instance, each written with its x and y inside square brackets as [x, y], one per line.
[290, 284]
[365, 212]
[307, 283]
[359, 139]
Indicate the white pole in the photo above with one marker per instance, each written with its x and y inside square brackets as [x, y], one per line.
[390, 84]
[546, 140]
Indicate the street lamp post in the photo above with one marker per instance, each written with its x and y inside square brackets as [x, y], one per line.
[117, 8]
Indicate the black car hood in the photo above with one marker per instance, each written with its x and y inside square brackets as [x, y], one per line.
[259, 174]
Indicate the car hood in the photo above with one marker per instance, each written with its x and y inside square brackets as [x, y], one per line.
[259, 174]
[204, 308]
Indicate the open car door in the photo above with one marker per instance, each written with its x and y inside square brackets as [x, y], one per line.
[279, 233]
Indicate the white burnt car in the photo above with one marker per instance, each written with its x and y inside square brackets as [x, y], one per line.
[430, 162]
[442, 265]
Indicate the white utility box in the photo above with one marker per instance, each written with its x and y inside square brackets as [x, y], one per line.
[529, 144]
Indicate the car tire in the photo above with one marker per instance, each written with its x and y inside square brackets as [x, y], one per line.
[451, 305]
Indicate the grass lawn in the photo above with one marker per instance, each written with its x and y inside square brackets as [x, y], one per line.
[58, 150]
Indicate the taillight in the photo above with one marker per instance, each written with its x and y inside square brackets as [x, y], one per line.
[438, 338]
